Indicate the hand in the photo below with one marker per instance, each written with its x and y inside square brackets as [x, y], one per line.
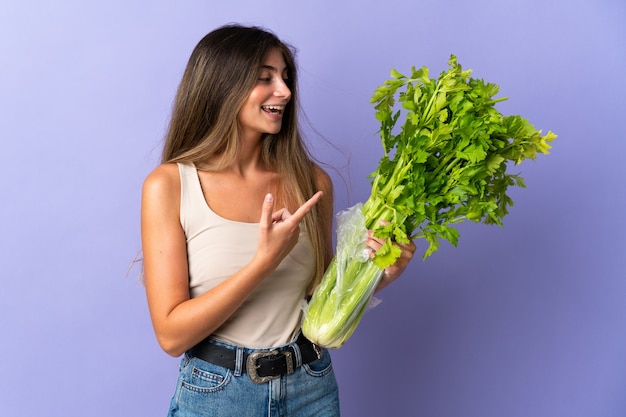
[391, 273]
[279, 230]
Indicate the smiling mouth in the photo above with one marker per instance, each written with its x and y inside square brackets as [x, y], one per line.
[273, 109]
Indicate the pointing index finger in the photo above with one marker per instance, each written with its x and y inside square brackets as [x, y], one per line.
[307, 206]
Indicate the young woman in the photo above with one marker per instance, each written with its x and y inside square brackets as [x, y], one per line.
[236, 232]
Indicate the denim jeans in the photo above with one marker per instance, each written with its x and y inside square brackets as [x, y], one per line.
[208, 390]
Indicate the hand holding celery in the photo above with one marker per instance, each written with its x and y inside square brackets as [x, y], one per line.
[446, 164]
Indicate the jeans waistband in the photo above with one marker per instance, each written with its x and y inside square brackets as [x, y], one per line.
[261, 365]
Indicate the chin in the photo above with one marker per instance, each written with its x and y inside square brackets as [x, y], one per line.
[274, 131]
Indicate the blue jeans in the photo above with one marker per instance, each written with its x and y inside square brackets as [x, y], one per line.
[208, 390]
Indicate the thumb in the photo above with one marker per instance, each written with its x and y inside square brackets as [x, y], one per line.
[267, 210]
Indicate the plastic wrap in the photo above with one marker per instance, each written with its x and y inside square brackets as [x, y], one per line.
[347, 287]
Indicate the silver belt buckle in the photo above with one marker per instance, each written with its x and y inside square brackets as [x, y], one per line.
[252, 367]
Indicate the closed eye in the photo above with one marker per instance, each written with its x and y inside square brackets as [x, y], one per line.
[268, 69]
[269, 80]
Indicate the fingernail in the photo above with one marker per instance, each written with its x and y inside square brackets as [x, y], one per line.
[269, 198]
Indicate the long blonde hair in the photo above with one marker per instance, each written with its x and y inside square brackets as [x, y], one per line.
[221, 72]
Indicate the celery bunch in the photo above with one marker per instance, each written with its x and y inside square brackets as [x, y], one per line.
[445, 164]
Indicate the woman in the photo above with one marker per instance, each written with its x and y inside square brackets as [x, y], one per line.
[236, 232]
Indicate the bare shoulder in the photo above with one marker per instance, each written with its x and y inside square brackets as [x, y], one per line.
[162, 185]
[327, 204]
[322, 180]
[162, 178]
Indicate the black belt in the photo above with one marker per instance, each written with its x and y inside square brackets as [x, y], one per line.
[262, 365]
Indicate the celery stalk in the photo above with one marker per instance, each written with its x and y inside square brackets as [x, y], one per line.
[348, 285]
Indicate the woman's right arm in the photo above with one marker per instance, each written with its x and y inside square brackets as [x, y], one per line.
[179, 321]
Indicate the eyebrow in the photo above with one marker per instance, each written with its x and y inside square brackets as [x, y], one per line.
[271, 68]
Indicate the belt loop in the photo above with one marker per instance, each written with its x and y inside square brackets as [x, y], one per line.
[298, 354]
[239, 362]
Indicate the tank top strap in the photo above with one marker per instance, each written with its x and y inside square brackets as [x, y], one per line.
[191, 196]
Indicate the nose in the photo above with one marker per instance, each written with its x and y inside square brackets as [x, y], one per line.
[282, 90]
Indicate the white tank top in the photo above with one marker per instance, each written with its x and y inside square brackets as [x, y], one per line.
[218, 247]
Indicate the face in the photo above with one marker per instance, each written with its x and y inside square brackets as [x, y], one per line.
[262, 112]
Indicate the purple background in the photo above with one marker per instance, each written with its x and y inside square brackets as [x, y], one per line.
[525, 320]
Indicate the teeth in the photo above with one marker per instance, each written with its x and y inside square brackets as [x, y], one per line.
[274, 108]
